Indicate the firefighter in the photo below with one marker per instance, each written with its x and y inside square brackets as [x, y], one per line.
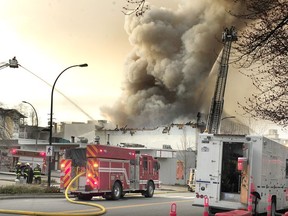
[37, 174]
[28, 173]
[18, 170]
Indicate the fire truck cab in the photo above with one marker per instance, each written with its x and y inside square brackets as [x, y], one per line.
[110, 172]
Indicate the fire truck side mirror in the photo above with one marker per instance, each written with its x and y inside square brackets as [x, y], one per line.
[132, 162]
[242, 163]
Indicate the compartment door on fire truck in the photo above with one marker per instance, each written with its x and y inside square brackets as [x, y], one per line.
[246, 179]
[134, 173]
[208, 166]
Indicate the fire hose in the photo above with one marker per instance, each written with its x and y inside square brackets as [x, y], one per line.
[101, 212]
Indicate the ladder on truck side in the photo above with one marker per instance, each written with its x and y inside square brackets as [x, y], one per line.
[216, 108]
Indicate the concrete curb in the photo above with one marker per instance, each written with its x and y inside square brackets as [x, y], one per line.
[32, 196]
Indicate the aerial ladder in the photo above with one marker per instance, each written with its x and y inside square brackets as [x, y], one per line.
[214, 118]
[13, 63]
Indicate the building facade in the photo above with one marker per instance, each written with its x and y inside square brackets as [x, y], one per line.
[173, 145]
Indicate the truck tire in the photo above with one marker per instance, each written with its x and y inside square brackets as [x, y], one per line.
[150, 190]
[116, 191]
[85, 197]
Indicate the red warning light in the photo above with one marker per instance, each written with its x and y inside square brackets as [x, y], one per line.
[95, 182]
[42, 154]
[13, 151]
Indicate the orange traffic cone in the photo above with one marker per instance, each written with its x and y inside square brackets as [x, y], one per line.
[173, 210]
[206, 206]
[250, 207]
[269, 205]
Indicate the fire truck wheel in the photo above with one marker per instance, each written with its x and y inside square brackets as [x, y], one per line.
[116, 191]
[150, 190]
[85, 197]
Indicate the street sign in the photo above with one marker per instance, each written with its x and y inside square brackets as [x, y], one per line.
[49, 150]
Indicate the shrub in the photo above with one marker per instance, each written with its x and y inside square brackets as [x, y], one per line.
[52, 189]
[28, 189]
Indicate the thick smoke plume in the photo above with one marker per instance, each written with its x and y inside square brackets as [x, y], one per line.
[167, 72]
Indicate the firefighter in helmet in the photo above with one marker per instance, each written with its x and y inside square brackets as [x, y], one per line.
[18, 170]
[37, 174]
[28, 173]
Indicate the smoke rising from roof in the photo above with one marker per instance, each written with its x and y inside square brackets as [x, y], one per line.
[166, 73]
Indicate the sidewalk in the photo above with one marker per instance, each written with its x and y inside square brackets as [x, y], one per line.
[173, 188]
[54, 173]
[55, 177]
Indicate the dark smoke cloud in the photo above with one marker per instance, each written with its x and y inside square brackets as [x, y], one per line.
[166, 74]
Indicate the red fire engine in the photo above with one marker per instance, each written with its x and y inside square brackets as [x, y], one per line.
[110, 172]
[28, 156]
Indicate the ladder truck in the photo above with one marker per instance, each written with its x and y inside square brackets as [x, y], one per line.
[228, 36]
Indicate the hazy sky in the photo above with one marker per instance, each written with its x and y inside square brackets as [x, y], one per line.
[48, 36]
[176, 42]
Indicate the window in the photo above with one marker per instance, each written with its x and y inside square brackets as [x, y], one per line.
[145, 163]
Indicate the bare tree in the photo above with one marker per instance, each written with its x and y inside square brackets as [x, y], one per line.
[135, 6]
[263, 45]
[185, 155]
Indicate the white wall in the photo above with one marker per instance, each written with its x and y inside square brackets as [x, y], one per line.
[173, 135]
[176, 137]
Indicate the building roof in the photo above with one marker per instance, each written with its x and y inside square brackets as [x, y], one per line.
[11, 112]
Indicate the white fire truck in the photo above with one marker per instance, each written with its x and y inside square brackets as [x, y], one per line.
[234, 171]
[110, 172]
